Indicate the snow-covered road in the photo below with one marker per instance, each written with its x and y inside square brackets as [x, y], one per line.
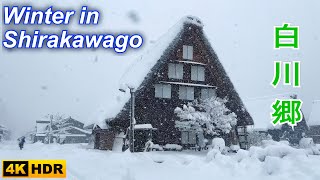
[89, 164]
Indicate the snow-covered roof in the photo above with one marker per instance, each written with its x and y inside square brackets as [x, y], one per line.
[142, 66]
[2, 127]
[41, 126]
[81, 130]
[64, 129]
[260, 110]
[314, 118]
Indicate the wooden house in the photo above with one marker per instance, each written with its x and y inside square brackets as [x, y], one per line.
[69, 131]
[65, 131]
[180, 68]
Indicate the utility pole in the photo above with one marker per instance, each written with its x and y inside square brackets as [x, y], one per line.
[50, 130]
[131, 137]
[132, 119]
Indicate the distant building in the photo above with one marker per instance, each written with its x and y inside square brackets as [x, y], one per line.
[4, 133]
[66, 131]
[41, 131]
[314, 122]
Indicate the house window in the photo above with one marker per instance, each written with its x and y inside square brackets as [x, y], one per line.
[197, 73]
[175, 71]
[186, 92]
[207, 93]
[188, 52]
[163, 90]
[188, 137]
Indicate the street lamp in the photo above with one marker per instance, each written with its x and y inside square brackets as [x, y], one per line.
[131, 131]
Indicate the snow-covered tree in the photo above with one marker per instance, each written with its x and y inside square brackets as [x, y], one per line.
[210, 115]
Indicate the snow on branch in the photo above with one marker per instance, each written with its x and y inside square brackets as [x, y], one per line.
[210, 115]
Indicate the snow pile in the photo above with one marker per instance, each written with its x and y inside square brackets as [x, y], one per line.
[218, 144]
[306, 143]
[172, 147]
[241, 154]
[235, 147]
[309, 146]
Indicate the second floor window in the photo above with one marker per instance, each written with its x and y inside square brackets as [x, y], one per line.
[197, 73]
[186, 93]
[188, 52]
[207, 93]
[175, 71]
[163, 90]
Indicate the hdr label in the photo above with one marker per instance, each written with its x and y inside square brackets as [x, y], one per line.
[34, 169]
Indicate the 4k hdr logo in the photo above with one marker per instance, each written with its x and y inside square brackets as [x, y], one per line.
[34, 169]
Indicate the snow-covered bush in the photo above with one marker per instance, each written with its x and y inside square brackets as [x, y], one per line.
[274, 149]
[172, 147]
[255, 138]
[157, 147]
[218, 143]
[306, 143]
[234, 148]
[210, 115]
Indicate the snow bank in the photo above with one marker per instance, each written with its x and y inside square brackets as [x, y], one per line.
[90, 164]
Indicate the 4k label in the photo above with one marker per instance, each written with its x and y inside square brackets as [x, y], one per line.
[15, 168]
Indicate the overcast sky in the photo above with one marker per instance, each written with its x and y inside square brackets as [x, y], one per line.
[81, 83]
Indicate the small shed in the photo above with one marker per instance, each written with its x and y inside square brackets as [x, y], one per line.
[103, 138]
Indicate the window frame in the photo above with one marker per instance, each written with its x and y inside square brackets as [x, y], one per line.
[161, 88]
[187, 52]
[186, 89]
[208, 94]
[195, 72]
[178, 72]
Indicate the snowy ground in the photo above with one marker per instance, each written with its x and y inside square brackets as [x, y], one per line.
[270, 163]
